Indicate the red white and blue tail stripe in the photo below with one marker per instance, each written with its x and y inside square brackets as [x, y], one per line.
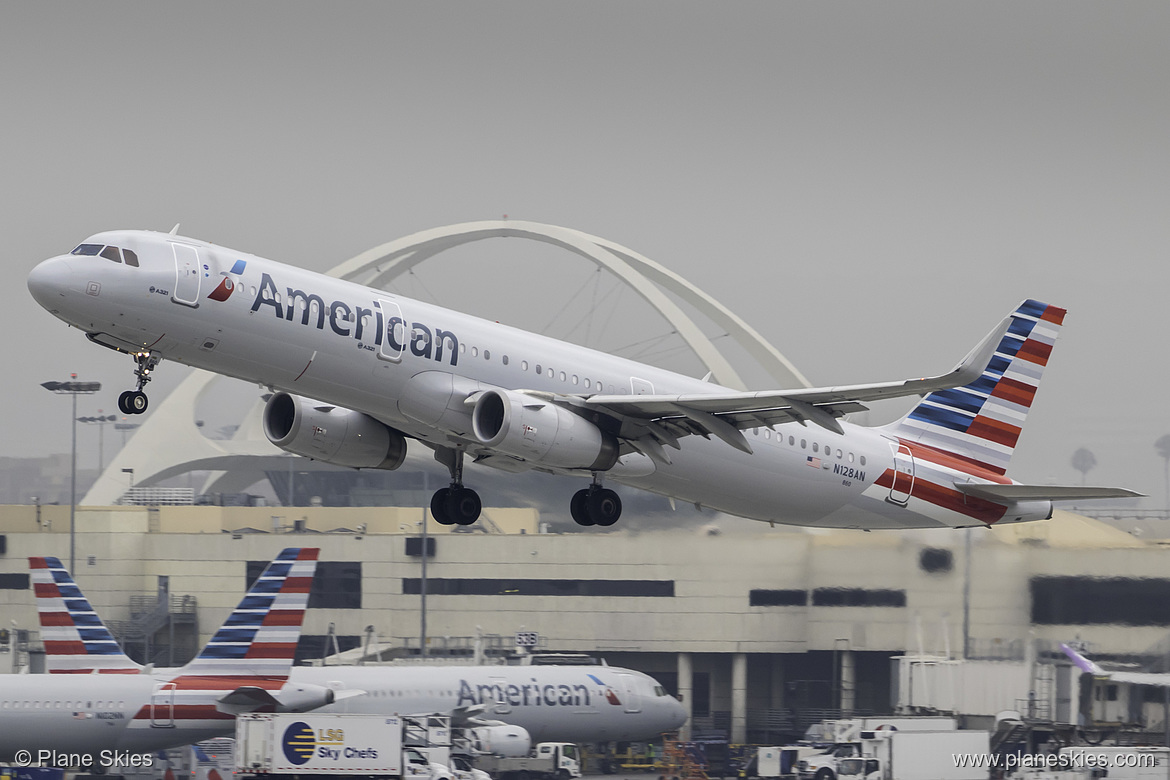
[260, 637]
[981, 422]
[76, 641]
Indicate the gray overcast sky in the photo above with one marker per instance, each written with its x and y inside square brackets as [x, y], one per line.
[870, 185]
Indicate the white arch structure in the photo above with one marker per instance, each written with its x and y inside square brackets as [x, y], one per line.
[170, 443]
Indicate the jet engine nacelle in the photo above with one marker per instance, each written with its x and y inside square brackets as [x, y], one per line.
[540, 432]
[302, 697]
[502, 740]
[332, 434]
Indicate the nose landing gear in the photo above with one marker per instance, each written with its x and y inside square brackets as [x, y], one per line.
[135, 401]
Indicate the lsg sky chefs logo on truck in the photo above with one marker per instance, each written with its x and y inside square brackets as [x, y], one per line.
[300, 742]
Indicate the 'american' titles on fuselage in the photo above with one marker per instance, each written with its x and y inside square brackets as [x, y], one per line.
[423, 341]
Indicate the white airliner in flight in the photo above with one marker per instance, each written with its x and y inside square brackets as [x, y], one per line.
[243, 668]
[552, 703]
[358, 371]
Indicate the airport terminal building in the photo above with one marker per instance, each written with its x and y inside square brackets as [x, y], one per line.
[760, 630]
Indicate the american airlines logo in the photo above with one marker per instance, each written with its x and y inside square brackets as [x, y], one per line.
[530, 694]
[353, 321]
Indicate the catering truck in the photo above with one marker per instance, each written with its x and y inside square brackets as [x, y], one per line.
[275, 744]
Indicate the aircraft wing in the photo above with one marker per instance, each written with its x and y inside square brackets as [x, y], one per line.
[649, 421]
[1134, 678]
[994, 492]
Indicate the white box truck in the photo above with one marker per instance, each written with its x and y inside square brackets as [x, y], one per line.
[307, 744]
[918, 755]
[548, 761]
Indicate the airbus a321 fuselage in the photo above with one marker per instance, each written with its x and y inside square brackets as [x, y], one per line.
[358, 371]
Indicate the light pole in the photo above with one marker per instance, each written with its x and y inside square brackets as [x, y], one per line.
[124, 427]
[73, 388]
[101, 421]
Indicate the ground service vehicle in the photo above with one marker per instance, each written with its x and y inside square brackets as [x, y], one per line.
[845, 738]
[548, 761]
[916, 755]
[775, 762]
[274, 744]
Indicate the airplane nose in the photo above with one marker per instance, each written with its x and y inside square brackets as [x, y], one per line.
[49, 280]
[677, 714]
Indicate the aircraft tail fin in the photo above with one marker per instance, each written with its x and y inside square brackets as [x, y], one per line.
[259, 638]
[980, 422]
[75, 638]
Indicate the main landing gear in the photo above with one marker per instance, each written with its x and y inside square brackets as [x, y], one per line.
[135, 401]
[455, 505]
[595, 505]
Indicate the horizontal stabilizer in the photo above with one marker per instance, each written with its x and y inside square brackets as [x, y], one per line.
[1042, 492]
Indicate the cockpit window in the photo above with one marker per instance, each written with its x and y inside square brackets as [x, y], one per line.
[108, 252]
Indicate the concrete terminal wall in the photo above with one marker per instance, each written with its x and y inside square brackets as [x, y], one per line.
[857, 591]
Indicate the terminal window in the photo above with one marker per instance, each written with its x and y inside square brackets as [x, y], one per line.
[1127, 601]
[778, 598]
[13, 582]
[499, 587]
[858, 597]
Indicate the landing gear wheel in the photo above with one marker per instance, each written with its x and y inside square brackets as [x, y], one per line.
[577, 508]
[133, 402]
[439, 506]
[604, 506]
[463, 505]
